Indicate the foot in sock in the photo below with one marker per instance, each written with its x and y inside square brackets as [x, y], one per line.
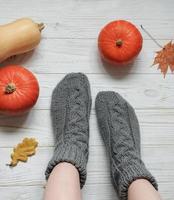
[119, 128]
[70, 110]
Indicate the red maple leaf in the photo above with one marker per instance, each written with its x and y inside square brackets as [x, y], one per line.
[165, 58]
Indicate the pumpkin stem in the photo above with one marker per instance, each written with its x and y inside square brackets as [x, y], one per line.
[41, 26]
[10, 88]
[119, 43]
[151, 36]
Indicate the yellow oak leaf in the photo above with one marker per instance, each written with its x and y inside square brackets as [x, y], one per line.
[23, 150]
[165, 58]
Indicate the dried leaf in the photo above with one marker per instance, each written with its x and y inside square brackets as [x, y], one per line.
[165, 58]
[23, 150]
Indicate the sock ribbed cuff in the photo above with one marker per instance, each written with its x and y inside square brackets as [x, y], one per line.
[71, 154]
[129, 174]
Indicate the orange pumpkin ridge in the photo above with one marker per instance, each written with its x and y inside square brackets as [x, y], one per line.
[119, 42]
[19, 90]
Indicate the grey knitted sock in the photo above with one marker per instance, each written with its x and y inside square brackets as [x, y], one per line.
[120, 131]
[70, 110]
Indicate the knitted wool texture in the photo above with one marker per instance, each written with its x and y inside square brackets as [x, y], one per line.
[70, 110]
[119, 128]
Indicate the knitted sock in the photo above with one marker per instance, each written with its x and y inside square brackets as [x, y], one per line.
[70, 110]
[119, 128]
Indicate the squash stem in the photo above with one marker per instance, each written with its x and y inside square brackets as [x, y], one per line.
[119, 43]
[10, 88]
[41, 26]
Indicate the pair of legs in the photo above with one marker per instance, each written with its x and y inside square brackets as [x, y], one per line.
[64, 184]
[70, 111]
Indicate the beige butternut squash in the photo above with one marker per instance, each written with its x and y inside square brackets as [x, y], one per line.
[19, 37]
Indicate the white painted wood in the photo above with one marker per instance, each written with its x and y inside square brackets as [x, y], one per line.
[31, 173]
[84, 19]
[97, 192]
[74, 55]
[142, 91]
[156, 127]
[69, 44]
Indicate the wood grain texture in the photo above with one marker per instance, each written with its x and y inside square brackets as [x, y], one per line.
[98, 166]
[156, 128]
[142, 91]
[32, 172]
[58, 56]
[69, 44]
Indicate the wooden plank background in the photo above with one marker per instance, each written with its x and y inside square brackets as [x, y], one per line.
[69, 44]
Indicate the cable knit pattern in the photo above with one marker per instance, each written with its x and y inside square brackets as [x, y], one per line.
[119, 128]
[70, 110]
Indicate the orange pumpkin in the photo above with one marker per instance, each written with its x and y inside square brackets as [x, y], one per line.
[19, 90]
[119, 42]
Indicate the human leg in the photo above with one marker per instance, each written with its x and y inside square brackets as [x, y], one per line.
[70, 110]
[63, 183]
[119, 128]
[142, 189]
